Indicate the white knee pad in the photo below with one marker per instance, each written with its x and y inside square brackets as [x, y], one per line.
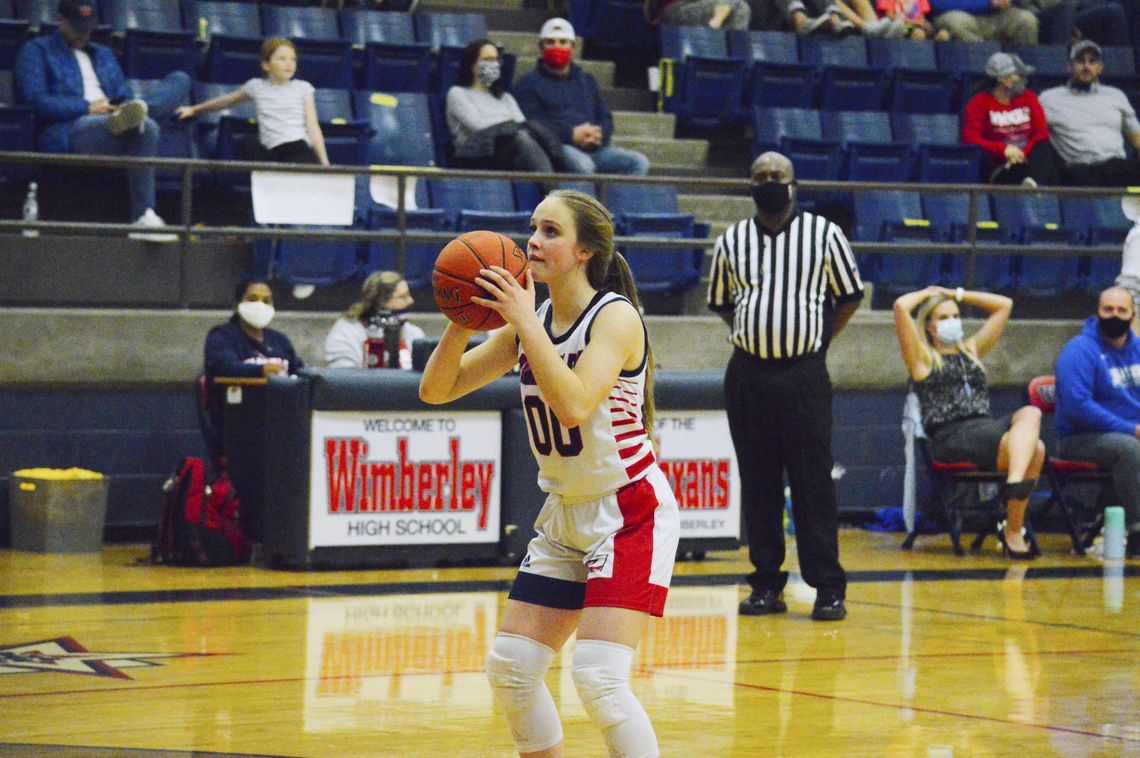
[601, 676]
[515, 668]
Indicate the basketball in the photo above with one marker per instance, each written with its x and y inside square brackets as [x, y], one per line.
[458, 265]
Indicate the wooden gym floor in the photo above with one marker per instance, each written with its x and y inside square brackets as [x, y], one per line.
[939, 656]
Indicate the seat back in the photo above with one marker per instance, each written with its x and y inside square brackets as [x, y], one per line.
[782, 85]
[1119, 62]
[210, 17]
[642, 198]
[292, 22]
[1020, 213]
[1043, 393]
[949, 164]
[767, 47]
[868, 127]
[144, 15]
[363, 26]
[1049, 60]
[457, 195]
[878, 163]
[12, 37]
[923, 92]
[852, 89]
[876, 211]
[901, 54]
[619, 25]
[1099, 220]
[965, 58]
[682, 42]
[402, 131]
[850, 52]
[773, 125]
[916, 129]
[38, 13]
[439, 30]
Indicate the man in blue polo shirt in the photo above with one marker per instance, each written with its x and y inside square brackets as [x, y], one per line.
[566, 99]
[82, 104]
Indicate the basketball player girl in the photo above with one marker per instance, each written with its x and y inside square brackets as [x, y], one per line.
[607, 535]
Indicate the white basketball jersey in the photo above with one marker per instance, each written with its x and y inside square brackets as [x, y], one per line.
[611, 448]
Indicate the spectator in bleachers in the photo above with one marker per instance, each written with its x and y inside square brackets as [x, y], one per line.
[83, 105]
[819, 17]
[733, 15]
[892, 19]
[562, 97]
[384, 294]
[1088, 123]
[1064, 21]
[489, 128]
[1005, 120]
[288, 130]
[1098, 401]
[985, 20]
[946, 370]
[1129, 277]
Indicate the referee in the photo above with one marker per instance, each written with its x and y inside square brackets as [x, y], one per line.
[785, 282]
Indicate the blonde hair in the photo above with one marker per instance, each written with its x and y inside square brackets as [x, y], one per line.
[932, 355]
[269, 47]
[375, 292]
[607, 269]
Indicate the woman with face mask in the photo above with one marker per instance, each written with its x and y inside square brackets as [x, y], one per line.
[947, 374]
[487, 126]
[1007, 122]
[384, 293]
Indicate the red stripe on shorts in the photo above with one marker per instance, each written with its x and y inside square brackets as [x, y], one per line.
[629, 585]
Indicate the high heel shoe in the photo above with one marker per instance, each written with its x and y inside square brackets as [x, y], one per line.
[1008, 552]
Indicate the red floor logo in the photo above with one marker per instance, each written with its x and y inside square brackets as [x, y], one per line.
[66, 656]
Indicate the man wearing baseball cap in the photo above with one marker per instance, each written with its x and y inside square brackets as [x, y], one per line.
[566, 99]
[82, 104]
[1088, 123]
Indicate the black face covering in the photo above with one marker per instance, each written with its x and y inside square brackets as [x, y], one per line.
[1113, 328]
[771, 198]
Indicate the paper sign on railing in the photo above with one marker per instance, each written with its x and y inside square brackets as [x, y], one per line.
[385, 190]
[296, 198]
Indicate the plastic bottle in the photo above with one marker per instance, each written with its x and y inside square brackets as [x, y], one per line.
[382, 344]
[1114, 533]
[31, 210]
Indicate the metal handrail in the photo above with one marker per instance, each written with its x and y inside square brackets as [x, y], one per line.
[970, 248]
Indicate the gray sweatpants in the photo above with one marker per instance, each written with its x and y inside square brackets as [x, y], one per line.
[1120, 454]
[1012, 26]
[698, 13]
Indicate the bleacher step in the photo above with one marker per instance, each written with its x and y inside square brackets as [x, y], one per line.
[629, 99]
[639, 124]
[685, 152]
[722, 209]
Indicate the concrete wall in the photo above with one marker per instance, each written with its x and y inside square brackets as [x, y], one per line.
[75, 346]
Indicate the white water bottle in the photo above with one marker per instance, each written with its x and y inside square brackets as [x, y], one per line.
[31, 210]
[1114, 533]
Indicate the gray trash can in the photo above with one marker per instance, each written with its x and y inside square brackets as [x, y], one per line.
[58, 510]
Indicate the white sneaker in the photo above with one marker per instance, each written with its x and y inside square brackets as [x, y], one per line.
[1029, 181]
[131, 115]
[151, 220]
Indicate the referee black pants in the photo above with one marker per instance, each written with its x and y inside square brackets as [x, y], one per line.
[779, 413]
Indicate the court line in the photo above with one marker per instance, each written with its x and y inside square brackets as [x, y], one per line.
[905, 707]
[142, 597]
[986, 617]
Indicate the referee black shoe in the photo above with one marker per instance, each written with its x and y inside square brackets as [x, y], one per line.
[828, 606]
[762, 603]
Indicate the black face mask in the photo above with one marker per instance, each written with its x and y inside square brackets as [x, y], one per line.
[771, 198]
[1113, 328]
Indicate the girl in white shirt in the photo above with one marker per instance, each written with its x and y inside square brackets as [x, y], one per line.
[287, 124]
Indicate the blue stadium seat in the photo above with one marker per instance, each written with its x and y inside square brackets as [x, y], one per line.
[440, 30]
[849, 52]
[951, 164]
[868, 127]
[781, 85]
[6, 10]
[324, 59]
[1119, 62]
[38, 13]
[878, 213]
[895, 217]
[615, 25]
[916, 129]
[17, 135]
[392, 59]
[965, 58]
[948, 216]
[237, 124]
[235, 37]
[318, 262]
[652, 210]
[147, 15]
[13, 33]
[766, 47]
[1049, 60]
[773, 125]
[402, 133]
[901, 54]
[923, 92]
[1035, 220]
[345, 135]
[852, 89]
[1098, 220]
[154, 40]
[419, 256]
[707, 85]
[872, 162]
[457, 196]
[7, 87]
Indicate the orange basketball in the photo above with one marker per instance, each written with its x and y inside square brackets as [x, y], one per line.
[457, 267]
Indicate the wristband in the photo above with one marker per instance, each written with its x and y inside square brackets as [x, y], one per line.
[959, 294]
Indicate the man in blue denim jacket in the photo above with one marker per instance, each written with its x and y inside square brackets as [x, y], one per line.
[83, 105]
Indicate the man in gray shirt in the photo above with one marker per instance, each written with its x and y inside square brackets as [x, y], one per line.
[1088, 123]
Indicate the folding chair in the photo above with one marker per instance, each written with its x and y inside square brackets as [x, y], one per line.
[1063, 472]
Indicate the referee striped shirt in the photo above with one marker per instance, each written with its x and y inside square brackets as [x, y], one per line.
[779, 284]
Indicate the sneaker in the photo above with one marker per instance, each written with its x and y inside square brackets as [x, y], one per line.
[1029, 181]
[828, 606]
[843, 28]
[816, 25]
[129, 116]
[151, 220]
[762, 603]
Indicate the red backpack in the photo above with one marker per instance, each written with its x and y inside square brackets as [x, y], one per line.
[201, 523]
